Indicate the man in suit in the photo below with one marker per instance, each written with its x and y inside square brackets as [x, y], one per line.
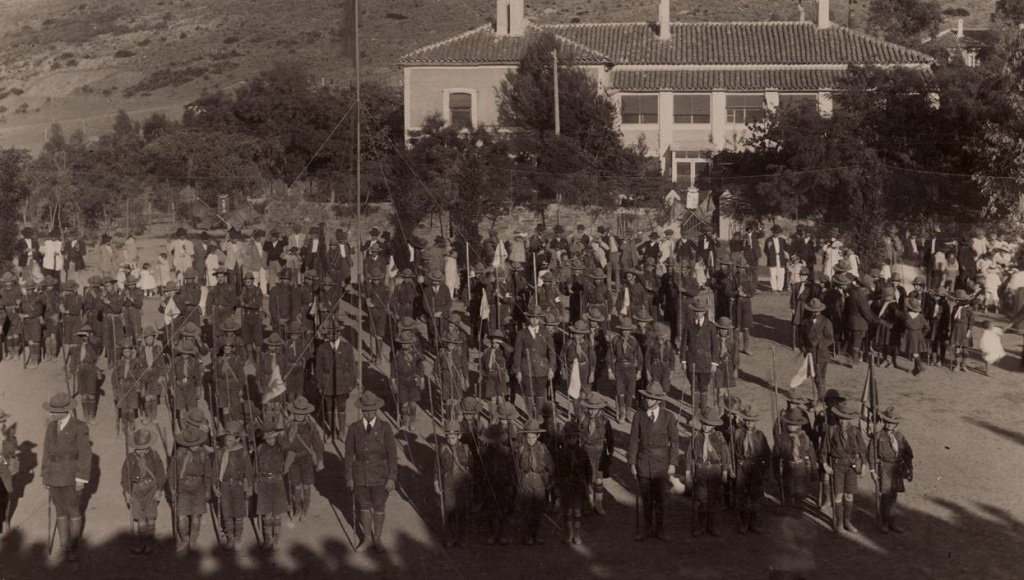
[859, 316]
[371, 468]
[817, 338]
[776, 253]
[200, 249]
[437, 305]
[700, 349]
[652, 456]
[335, 373]
[67, 465]
[534, 361]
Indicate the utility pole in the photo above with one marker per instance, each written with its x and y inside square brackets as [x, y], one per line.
[558, 117]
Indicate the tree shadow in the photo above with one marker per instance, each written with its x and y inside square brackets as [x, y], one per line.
[770, 328]
[1015, 436]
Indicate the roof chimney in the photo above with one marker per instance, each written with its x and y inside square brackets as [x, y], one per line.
[665, 20]
[959, 27]
[803, 13]
[509, 20]
[824, 15]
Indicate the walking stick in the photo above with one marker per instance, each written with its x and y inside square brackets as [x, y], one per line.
[50, 528]
[636, 509]
[828, 458]
[775, 413]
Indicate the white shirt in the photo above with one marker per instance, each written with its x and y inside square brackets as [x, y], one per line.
[369, 424]
[52, 257]
[653, 413]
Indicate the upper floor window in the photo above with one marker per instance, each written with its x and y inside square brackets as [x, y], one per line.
[460, 110]
[744, 108]
[692, 109]
[797, 100]
[639, 109]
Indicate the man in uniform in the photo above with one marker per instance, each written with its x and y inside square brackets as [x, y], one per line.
[66, 468]
[371, 468]
[126, 383]
[251, 302]
[10, 322]
[190, 478]
[746, 287]
[378, 299]
[221, 301]
[580, 362]
[133, 298]
[846, 455]
[652, 456]
[817, 339]
[281, 302]
[625, 364]
[892, 463]
[437, 305]
[50, 301]
[700, 348]
[407, 372]
[753, 462]
[335, 375]
[297, 356]
[233, 482]
[142, 481]
[859, 316]
[31, 314]
[303, 439]
[403, 300]
[709, 467]
[534, 361]
[188, 298]
[795, 462]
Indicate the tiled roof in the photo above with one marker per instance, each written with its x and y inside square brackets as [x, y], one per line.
[972, 40]
[692, 43]
[728, 80]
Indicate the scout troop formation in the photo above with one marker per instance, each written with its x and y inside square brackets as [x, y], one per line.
[255, 369]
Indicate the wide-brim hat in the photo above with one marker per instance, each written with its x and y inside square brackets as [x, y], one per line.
[662, 331]
[699, 306]
[654, 391]
[576, 265]
[294, 327]
[814, 305]
[552, 319]
[579, 327]
[776, 229]
[470, 404]
[235, 428]
[534, 312]
[407, 323]
[171, 286]
[273, 340]
[496, 334]
[913, 305]
[593, 401]
[126, 343]
[724, 261]
[190, 437]
[888, 293]
[49, 281]
[794, 417]
[376, 274]
[285, 274]
[891, 415]
[148, 331]
[625, 323]
[231, 325]
[598, 274]
[842, 279]
[940, 292]
[724, 323]
[311, 275]
[187, 348]
[195, 417]
[594, 314]
[843, 266]
[369, 402]
[867, 280]
[84, 330]
[327, 281]
[190, 329]
[407, 273]
[8, 277]
[961, 294]
[711, 420]
[436, 276]
[795, 397]
[330, 325]
[642, 316]
[919, 281]
[844, 410]
[30, 284]
[406, 337]
[532, 426]
[748, 413]
[301, 406]
[60, 403]
[143, 439]
[453, 427]
[506, 410]
[741, 262]
[833, 395]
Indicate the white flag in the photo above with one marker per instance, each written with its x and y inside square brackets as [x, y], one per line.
[485, 307]
[574, 380]
[276, 386]
[806, 371]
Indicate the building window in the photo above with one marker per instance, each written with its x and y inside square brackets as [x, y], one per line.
[742, 109]
[687, 166]
[796, 100]
[692, 109]
[639, 109]
[460, 110]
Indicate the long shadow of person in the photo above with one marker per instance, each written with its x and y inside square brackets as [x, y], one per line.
[28, 460]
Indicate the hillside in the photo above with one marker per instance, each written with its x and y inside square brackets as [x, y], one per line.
[77, 62]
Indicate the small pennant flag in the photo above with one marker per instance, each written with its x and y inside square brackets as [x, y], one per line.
[574, 380]
[276, 386]
[806, 371]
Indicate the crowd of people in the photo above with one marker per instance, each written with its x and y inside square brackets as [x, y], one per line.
[256, 353]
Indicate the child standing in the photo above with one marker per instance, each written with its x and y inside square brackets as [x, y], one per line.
[915, 327]
[960, 331]
[991, 344]
[147, 282]
[573, 473]
[456, 483]
[535, 467]
[163, 273]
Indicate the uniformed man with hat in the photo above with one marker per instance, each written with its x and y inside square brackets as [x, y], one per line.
[336, 362]
[580, 363]
[10, 321]
[274, 461]
[407, 372]
[189, 296]
[753, 465]
[494, 369]
[437, 305]
[127, 386]
[70, 313]
[625, 365]
[83, 355]
[234, 480]
[709, 464]
[818, 338]
[859, 317]
[50, 301]
[187, 375]
[652, 456]
[371, 468]
[281, 302]
[573, 475]
[536, 468]
[795, 461]
[457, 485]
[31, 313]
[378, 299]
[142, 480]
[701, 354]
[190, 478]
[272, 368]
[297, 357]
[303, 438]
[725, 375]
[892, 464]
[534, 361]
[452, 374]
[847, 451]
[403, 299]
[66, 469]
[597, 295]
[133, 300]
[230, 380]
[251, 304]
[598, 439]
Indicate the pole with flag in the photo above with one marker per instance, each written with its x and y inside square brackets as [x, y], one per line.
[868, 423]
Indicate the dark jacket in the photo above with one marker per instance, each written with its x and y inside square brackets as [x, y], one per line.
[653, 446]
[371, 458]
[67, 454]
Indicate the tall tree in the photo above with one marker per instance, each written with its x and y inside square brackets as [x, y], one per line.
[905, 22]
[14, 190]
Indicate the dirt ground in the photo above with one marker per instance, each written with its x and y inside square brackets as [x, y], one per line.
[963, 511]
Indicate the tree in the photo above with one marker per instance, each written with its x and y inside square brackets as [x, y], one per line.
[904, 22]
[1009, 11]
[14, 190]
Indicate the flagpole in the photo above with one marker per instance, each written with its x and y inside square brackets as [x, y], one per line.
[359, 207]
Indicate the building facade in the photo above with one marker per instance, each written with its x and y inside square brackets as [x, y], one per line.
[686, 88]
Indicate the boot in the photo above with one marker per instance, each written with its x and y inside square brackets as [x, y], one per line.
[700, 523]
[239, 525]
[598, 505]
[140, 538]
[917, 367]
[895, 362]
[893, 526]
[712, 530]
[745, 335]
[33, 356]
[659, 526]
[618, 408]
[276, 524]
[378, 529]
[307, 496]
[150, 540]
[848, 517]
[229, 535]
[74, 537]
[297, 503]
[744, 524]
[193, 533]
[576, 538]
[629, 408]
[570, 531]
[365, 522]
[962, 362]
[268, 532]
[65, 541]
